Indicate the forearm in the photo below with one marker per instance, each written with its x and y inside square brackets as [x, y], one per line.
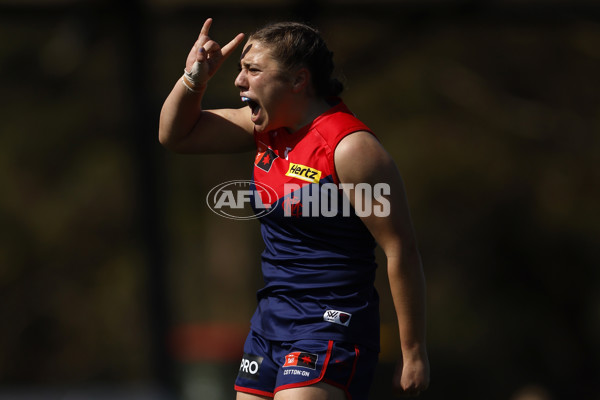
[180, 113]
[407, 285]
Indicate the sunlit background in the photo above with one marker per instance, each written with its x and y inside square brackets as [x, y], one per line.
[117, 281]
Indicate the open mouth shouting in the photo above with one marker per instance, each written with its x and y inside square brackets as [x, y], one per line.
[254, 107]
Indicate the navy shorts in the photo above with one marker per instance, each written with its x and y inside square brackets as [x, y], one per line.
[268, 367]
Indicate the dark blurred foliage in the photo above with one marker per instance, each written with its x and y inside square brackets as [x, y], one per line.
[491, 113]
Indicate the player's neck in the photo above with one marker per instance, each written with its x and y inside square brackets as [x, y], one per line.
[313, 108]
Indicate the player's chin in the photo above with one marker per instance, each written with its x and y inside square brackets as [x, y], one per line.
[261, 126]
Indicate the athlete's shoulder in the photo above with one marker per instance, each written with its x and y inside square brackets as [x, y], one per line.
[339, 122]
[360, 157]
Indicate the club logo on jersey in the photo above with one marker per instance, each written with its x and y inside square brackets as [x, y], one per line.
[337, 317]
[265, 157]
[301, 359]
[303, 172]
[292, 207]
[250, 367]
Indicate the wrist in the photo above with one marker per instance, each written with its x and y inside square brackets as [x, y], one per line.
[414, 352]
[192, 86]
[191, 80]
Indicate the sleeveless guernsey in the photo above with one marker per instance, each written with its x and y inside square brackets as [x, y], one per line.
[318, 263]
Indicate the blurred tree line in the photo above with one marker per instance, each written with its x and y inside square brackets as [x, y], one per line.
[491, 112]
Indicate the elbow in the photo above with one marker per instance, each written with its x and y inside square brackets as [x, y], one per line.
[163, 138]
[174, 143]
[168, 143]
[164, 133]
[167, 137]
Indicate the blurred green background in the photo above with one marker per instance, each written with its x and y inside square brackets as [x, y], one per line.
[115, 275]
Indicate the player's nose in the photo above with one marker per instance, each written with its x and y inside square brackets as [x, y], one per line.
[241, 80]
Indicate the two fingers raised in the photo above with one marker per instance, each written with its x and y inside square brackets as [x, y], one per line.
[209, 48]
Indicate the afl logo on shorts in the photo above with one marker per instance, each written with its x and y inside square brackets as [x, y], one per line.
[337, 317]
[250, 367]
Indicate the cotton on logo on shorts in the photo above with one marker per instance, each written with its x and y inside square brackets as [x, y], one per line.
[250, 366]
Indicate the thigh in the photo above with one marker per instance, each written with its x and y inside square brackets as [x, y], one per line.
[318, 391]
[248, 396]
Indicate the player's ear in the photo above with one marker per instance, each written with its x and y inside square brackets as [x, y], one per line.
[301, 80]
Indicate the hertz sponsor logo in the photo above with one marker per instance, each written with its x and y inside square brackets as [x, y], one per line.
[303, 172]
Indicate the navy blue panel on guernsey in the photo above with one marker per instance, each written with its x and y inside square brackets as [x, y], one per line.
[312, 264]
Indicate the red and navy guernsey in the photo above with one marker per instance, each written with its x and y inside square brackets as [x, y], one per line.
[318, 263]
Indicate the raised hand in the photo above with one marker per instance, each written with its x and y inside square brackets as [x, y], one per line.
[206, 56]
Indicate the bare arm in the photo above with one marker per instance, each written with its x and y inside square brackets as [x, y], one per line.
[184, 126]
[360, 158]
